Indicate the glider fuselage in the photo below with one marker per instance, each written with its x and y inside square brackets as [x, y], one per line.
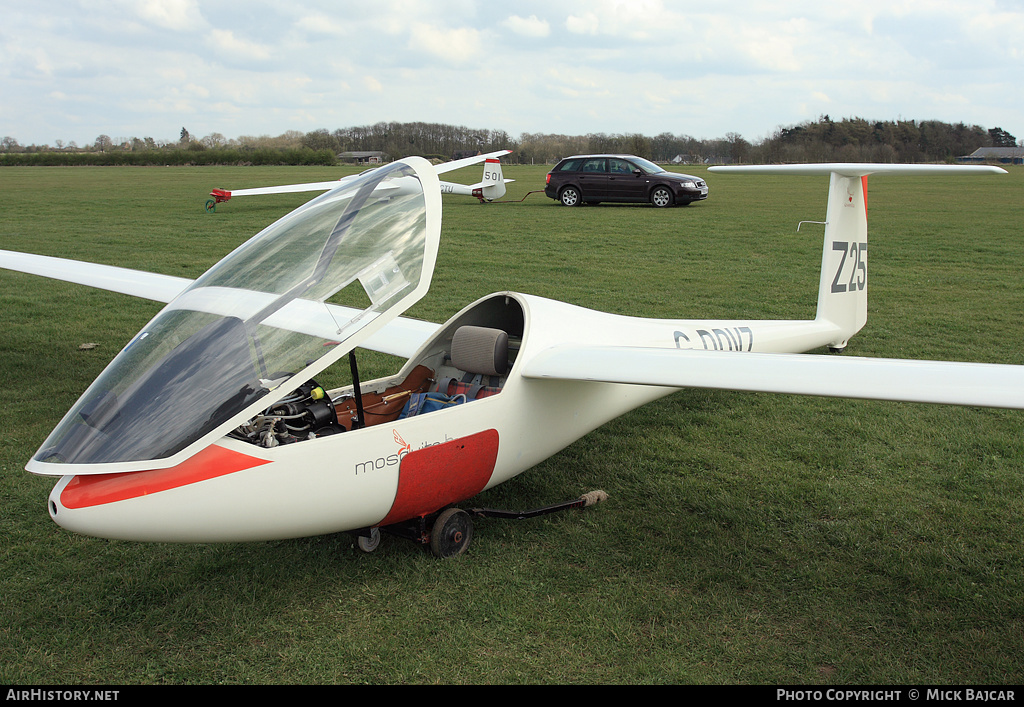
[396, 469]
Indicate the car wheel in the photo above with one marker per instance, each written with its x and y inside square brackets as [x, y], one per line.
[570, 196]
[661, 197]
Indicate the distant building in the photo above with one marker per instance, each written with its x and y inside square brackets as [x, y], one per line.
[1003, 155]
[687, 159]
[362, 157]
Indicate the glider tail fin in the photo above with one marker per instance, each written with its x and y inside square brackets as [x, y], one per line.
[843, 288]
[492, 186]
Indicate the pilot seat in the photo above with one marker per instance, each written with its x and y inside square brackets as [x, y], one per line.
[479, 356]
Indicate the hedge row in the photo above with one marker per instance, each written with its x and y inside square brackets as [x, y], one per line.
[263, 156]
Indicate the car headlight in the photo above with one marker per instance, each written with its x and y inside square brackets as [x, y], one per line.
[688, 184]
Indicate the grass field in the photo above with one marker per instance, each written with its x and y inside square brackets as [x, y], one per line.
[748, 538]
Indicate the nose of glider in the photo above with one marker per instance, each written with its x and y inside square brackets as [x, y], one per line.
[61, 514]
[96, 519]
[158, 504]
[85, 505]
[53, 505]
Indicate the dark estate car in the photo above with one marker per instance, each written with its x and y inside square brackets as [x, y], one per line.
[596, 178]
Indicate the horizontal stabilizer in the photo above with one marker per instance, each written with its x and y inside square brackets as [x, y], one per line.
[944, 382]
[480, 185]
[859, 169]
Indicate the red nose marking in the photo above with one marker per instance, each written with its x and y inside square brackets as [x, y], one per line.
[98, 489]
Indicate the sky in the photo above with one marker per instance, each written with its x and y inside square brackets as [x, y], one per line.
[72, 71]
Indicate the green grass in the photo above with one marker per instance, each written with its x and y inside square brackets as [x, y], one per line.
[747, 539]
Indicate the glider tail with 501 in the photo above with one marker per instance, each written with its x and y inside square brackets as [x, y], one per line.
[210, 425]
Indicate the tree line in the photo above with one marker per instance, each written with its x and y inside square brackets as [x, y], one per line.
[823, 140]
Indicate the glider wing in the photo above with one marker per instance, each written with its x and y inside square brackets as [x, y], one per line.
[467, 161]
[400, 337]
[946, 382]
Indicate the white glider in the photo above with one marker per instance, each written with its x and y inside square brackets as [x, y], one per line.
[210, 425]
[490, 187]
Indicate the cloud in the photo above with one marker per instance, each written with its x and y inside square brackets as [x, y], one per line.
[633, 19]
[321, 24]
[455, 46]
[224, 40]
[170, 14]
[528, 26]
[774, 49]
[588, 23]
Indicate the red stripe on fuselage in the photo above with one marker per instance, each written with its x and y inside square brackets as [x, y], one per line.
[433, 477]
[98, 489]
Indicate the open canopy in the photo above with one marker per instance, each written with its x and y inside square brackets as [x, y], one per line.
[280, 308]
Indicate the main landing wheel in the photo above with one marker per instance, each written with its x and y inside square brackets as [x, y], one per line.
[451, 533]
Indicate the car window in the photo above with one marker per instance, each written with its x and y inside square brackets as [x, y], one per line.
[648, 167]
[620, 167]
[593, 166]
[570, 166]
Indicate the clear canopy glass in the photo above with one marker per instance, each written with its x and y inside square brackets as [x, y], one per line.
[282, 306]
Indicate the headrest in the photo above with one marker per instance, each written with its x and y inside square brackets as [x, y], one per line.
[480, 350]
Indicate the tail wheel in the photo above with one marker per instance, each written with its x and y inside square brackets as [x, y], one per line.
[451, 533]
[369, 543]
